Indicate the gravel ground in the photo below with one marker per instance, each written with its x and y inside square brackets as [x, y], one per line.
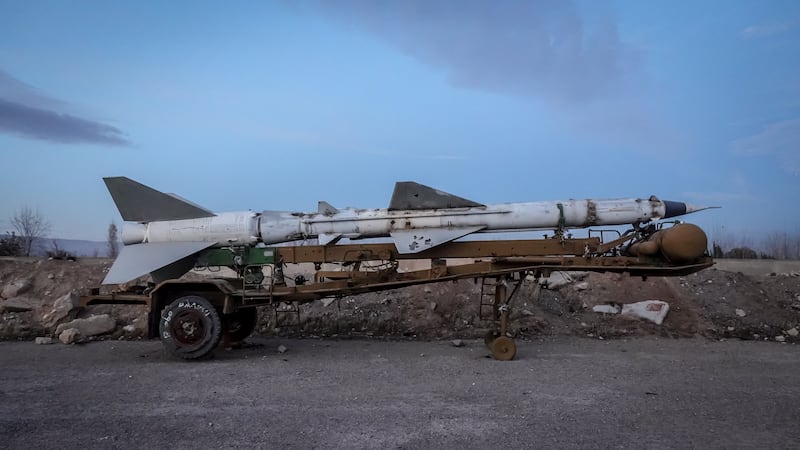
[563, 392]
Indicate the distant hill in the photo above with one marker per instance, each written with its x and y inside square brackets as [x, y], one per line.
[74, 246]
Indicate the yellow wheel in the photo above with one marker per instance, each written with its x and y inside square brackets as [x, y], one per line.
[503, 348]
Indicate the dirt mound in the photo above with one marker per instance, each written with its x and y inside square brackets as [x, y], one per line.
[712, 303]
[30, 288]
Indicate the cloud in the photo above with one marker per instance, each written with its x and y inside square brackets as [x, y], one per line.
[761, 31]
[780, 140]
[567, 60]
[25, 112]
[542, 49]
[49, 125]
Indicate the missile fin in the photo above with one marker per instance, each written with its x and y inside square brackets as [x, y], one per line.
[162, 259]
[421, 239]
[328, 238]
[411, 195]
[139, 203]
[325, 208]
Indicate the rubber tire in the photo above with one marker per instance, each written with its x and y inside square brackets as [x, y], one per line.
[237, 326]
[503, 348]
[197, 315]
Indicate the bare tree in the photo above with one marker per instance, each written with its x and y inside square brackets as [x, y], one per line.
[31, 225]
[113, 244]
[782, 245]
[10, 245]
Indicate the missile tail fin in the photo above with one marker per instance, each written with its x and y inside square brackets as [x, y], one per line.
[163, 260]
[325, 208]
[411, 195]
[139, 203]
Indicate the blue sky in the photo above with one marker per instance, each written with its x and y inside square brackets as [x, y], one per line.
[259, 105]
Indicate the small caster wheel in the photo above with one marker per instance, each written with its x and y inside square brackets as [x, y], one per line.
[503, 348]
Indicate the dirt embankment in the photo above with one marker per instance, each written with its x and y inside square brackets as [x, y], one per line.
[712, 303]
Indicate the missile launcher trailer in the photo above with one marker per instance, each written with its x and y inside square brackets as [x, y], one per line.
[191, 317]
[166, 236]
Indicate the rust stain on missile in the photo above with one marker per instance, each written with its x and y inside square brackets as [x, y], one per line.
[591, 212]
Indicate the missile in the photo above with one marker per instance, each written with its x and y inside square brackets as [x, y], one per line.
[163, 233]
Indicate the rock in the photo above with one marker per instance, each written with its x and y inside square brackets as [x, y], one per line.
[18, 304]
[652, 310]
[731, 328]
[327, 301]
[15, 288]
[558, 279]
[740, 312]
[50, 276]
[780, 338]
[282, 349]
[582, 286]
[427, 290]
[91, 326]
[433, 306]
[606, 309]
[43, 340]
[65, 308]
[129, 328]
[793, 332]
[526, 312]
[68, 336]
[457, 343]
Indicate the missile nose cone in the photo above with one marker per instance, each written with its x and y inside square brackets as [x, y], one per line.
[694, 208]
[675, 209]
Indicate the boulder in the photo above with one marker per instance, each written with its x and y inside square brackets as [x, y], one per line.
[69, 336]
[558, 279]
[65, 308]
[15, 288]
[18, 304]
[44, 340]
[652, 310]
[606, 309]
[91, 326]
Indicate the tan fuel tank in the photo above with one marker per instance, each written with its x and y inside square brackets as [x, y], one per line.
[649, 247]
[683, 242]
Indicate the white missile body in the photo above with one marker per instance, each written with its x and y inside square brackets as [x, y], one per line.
[162, 228]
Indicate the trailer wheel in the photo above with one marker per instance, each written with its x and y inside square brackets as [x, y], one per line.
[190, 327]
[503, 348]
[238, 325]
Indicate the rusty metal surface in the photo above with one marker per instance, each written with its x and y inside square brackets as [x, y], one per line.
[495, 259]
[472, 249]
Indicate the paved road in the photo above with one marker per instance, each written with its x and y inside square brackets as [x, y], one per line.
[566, 393]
